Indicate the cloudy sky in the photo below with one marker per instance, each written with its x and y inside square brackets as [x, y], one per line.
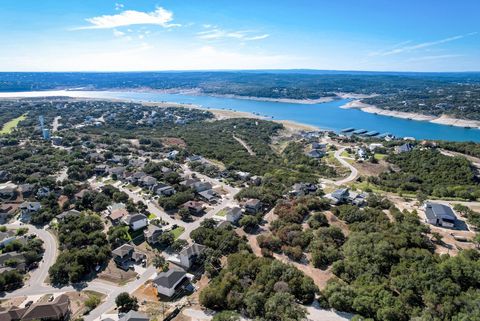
[131, 35]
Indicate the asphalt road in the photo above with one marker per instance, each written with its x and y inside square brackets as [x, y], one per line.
[353, 170]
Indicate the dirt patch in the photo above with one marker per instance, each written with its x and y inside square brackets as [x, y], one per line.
[369, 169]
[115, 275]
[77, 301]
[335, 221]
[147, 292]
[173, 142]
[319, 277]
[13, 302]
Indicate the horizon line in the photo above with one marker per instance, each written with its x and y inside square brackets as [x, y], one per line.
[245, 70]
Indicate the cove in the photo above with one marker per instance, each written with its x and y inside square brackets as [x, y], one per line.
[323, 115]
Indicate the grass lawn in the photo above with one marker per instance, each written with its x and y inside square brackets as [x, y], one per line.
[379, 156]
[11, 125]
[152, 216]
[222, 213]
[178, 231]
[345, 154]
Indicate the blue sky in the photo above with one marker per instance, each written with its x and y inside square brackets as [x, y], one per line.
[103, 35]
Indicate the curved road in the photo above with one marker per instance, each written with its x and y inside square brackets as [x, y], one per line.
[38, 276]
[353, 170]
[36, 284]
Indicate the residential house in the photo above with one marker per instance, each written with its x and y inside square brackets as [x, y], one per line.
[43, 192]
[57, 140]
[202, 186]
[56, 310]
[167, 283]
[148, 181]
[27, 209]
[230, 214]
[136, 221]
[361, 153]
[134, 316]
[253, 206]
[26, 189]
[116, 215]
[8, 191]
[374, 146]
[194, 158]
[339, 196]
[136, 177]
[4, 176]
[357, 199]
[7, 238]
[173, 154]
[439, 215]
[67, 214]
[118, 171]
[302, 189]
[405, 148]
[195, 208]
[316, 153]
[81, 194]
[190, 254]
[209, 195]
[243, 175]
[152, 233]
[125, 255]
[256, 180]
[164, 189]
[166, 170]
[190, 182]
[100, 169]
[115, 206]
[6, 211]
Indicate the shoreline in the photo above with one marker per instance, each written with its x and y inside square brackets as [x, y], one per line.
[305, 101]
[228, 114]
[441, 120]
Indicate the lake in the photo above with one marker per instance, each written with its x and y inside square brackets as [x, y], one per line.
[325, 115]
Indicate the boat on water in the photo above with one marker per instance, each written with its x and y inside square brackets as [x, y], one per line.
[360, 132]
[347, 130]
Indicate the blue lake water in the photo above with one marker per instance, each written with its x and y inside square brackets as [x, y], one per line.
[325, 115]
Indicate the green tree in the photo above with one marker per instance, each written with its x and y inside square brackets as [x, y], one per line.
[126, 303]
[282, 307]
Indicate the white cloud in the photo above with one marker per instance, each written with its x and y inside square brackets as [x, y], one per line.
[217, 33]
[118, 33]
[160, 17]
[402, 49]
[119, 6]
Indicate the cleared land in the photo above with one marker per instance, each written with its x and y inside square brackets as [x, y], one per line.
[8, 127]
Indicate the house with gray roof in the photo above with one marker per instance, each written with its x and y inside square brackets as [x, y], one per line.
[67, 214]
[152, 233]
[190, 254]
[167, 283]
[58, 309]
[439, 215]
[135, 221]
[134, 316]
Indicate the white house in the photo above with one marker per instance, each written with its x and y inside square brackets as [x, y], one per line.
[166, 282]
[188, 255]
[230, 214]
[136, 221]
